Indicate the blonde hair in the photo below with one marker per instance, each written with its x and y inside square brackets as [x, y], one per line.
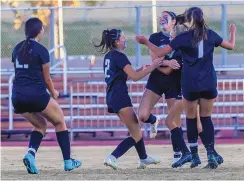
[180, 28]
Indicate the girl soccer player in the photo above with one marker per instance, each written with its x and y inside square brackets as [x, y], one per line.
[160, 80]
[199, 79]
[117, 69]
[173, 119]
[30, 98]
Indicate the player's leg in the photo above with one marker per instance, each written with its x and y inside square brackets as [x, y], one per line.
[129, 118]
[194, 146]
[173, 121]
[207, 135]
[40, 126]
[54, 114]
[148, 101]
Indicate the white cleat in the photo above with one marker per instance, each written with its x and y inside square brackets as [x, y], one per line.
[154, 128]
[111, 161]
[148, 161]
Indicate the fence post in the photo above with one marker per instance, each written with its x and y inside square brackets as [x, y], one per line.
[51, 35]
[224, 32]
[138, 32]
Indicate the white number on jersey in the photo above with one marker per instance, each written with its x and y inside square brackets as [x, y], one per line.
[200, 49]
[18, 65]
[107, 65]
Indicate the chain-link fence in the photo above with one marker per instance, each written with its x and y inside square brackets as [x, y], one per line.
[83, 25]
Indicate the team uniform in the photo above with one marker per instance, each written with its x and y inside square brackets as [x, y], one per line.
[198, 74]
[117, 91]
[29, 92]
[158, 82]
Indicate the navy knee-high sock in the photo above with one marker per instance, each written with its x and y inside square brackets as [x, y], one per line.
[141, 150]
[207, 135]
[192, 134]
[123, 147]
[64, 143]
[178, 140]
[152, 119]
[35, 141]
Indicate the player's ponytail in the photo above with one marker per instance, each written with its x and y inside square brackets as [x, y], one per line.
[108, 40]
[195, 17]
[33, 27]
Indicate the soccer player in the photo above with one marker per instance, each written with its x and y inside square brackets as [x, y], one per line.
[160, 81]
[31, 99]
[199, 79]
[117, 69]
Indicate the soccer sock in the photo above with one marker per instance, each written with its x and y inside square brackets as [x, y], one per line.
[178, 140]
[141, 150]
[152, 119]
[192, 134]
[64, 143]
[207, 135]
[35, 141]
[123, 147]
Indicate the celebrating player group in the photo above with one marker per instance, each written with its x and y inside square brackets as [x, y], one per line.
[181, 69]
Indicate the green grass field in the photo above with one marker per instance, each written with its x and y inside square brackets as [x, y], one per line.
[78, 36]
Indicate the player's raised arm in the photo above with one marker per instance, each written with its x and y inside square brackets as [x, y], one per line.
[230, 44]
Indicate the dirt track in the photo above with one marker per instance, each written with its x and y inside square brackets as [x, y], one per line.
[51, 167]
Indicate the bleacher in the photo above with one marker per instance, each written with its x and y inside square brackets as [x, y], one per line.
[85, 108]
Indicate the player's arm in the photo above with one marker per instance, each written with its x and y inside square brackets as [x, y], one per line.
[135, 76]
[166, 70]
[47, 78]
[160, 52]
[46, 73]
[230, 44]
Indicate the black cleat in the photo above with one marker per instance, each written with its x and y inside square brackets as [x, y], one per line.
[195, 160]
[212, 162]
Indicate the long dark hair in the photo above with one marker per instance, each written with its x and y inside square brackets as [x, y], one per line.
[195, 15]
[33, 27]
[108, 40]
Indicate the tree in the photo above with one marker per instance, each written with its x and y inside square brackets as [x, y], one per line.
[43, 14]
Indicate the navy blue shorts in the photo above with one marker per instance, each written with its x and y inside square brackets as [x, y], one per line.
[193, 96]
[169, 92]
[31, 103]
[117, 101]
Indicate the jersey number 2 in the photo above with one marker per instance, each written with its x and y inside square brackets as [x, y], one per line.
[18, 65]
[200, 49]
[107, 64]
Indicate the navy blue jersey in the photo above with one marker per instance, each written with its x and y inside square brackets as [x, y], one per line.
[28, 68]
[198, 72]
[175, 76]
[161, 40]
[115, 77]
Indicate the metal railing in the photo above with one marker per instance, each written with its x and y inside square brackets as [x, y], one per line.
[88, 109]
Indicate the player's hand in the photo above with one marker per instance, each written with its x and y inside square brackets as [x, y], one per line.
[174, 64]
[141, 39]
[232, 29]
[157, 62]
[144, 67]
[55, 94]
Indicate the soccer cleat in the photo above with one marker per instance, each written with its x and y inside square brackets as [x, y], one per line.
[30, 164]
[71, 164]
[111, 161]
[184, 159]
[154, 128]
[195, 160]
[176, 158]
[212, 162]
[219, 158]
[148, 161]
